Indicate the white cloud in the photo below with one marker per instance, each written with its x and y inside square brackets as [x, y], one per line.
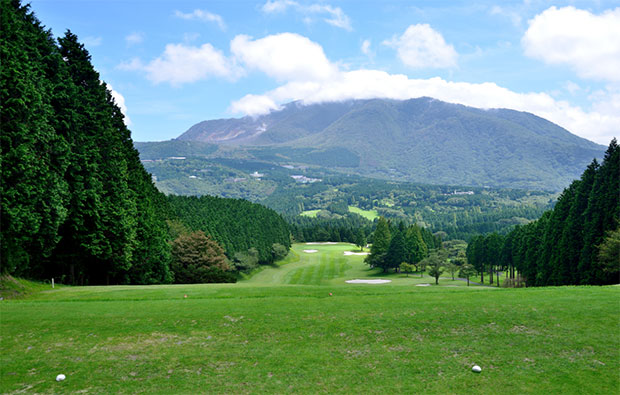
[598, 125]
[202, 15]
[420, 46]
[134, 38]
[285, 57]
[181, 64]
[335, 16]
[278, 5]
[587, 42]
[366, 48]
[120, 102]
[253, 105]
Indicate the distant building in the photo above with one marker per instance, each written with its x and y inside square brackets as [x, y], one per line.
[305, 180]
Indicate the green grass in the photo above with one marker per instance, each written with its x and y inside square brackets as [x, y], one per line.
[268, 335]
[18, 288]
[309, 213]
[368, 214]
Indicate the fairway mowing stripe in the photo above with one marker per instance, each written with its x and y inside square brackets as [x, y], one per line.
[332, 270]
[319, 274]
[308, 274]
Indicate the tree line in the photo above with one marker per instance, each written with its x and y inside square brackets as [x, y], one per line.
[393, 245]
[576, 243]
[76, 203]
[236, 224]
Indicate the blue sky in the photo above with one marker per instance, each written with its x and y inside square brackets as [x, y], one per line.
[172, 64]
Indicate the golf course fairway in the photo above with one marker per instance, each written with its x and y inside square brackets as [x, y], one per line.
[299, 327]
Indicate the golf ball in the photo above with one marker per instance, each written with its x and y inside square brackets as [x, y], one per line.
[476, 369]
[60, 377]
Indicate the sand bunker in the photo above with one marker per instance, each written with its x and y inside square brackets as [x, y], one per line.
[356, 253]
[422, 285]
[310, 251]
[377, 281]
[321, 243]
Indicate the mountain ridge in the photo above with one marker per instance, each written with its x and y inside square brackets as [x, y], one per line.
[420, 140]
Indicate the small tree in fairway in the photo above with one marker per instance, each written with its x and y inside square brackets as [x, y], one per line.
[435, 263]
[406, 268]
[466, 271]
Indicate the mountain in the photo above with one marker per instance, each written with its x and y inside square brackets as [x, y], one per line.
[420, 140]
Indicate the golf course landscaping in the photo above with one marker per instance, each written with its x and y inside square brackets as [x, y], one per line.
[298, 326]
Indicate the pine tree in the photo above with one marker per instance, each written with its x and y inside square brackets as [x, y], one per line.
[380, 244]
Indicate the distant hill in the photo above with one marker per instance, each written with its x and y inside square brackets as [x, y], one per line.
[421, 140]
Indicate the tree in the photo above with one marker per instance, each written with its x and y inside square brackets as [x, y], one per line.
[452, 268]
[406, 268]
[197, 258]
[415, 245]
[609, 255]
[466, 271]
[435, 263]
[245, 261]
[396, 253]
[278, 251]
[360, 239]
[380, 244]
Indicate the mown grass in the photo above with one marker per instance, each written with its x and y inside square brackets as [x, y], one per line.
[309, 213]
[260, 336]
[368, 214]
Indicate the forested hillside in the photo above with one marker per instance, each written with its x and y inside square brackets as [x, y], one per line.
[76, 202]
[421, 140]
[461, 212]
[576, 243]
[238, 225]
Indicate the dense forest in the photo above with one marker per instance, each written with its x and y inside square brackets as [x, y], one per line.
[76, 202]
[576, 243]
[461, 212]
[237, 225]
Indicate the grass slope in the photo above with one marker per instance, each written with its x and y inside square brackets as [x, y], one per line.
[368, 214]
[264, 336]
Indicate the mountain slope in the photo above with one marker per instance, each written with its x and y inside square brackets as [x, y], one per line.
[421, 140]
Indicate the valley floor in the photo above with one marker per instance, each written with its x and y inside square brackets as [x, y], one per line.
[299, 327]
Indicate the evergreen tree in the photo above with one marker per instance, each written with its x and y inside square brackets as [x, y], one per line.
[415, 246]
[397, 252]
[380, 244]
[33, 156]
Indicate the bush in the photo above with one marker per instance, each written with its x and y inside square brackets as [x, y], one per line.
[197, 258]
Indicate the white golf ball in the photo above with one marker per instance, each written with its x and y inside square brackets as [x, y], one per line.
[60, 377]
[476, 369]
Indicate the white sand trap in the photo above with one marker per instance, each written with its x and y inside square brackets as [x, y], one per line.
[378, 281]
[422, 285]
[321, 243]
[310, 251]
[356, 253]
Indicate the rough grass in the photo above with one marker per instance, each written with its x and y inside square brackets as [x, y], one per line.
[18, 288]
[261, 336]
